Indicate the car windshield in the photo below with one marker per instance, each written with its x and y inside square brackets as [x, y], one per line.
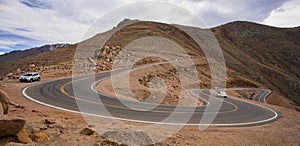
[28, 75]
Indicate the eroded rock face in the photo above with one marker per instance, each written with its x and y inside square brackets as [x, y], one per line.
[10, 125]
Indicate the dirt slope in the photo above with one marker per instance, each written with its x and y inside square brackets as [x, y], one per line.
[59, 58]
[266, 55]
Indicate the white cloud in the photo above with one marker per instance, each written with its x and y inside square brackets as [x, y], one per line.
[66, 21]
[216, 12]
[285, 16]
[6, 43]
[45, 25]
[1, 53]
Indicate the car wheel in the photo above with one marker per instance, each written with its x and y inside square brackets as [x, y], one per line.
[31, 80]
[39, 79]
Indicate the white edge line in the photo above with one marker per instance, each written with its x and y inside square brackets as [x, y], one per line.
[149, 122]
[252, 123]
[262, 121]
[257, 89]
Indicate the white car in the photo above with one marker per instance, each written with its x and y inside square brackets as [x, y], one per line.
[222, 94]
[30, 77]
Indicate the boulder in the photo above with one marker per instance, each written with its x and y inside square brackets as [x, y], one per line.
[118, 47]
[40, 137]
[7, 139]
[128, 137]
[9, 75]
[23, 136]
[10, 125]
[106, 47]
[87, 131]
[19, 71]
[49, 121]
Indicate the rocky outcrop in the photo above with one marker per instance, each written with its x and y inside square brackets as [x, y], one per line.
[10, 125]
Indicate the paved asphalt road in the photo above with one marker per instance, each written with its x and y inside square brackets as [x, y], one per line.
[60, 94]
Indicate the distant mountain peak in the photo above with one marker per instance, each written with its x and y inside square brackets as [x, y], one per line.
[126, 21]
[17, 54]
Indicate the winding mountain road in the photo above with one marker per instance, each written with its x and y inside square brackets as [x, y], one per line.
[78, 95]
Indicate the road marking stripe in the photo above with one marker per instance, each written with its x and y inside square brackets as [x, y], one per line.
[160, 123]
[121, 107]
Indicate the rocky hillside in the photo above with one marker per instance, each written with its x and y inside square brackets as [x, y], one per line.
[256, 55]
[58, 59]
[15, 55]
[123, 37]
[266, 55]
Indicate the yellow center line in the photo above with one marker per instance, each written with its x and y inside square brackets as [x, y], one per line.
[234, 105]
[62, 89]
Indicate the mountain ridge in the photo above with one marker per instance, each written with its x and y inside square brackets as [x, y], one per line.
[17, 54]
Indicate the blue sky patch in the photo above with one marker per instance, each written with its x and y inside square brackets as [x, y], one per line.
[6, 38]
[23, 29]
[17, 47]
[7, 35]
[35, 4]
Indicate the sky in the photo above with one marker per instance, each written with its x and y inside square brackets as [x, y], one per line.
[31, 23]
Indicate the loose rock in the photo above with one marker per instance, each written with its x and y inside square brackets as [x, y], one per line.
[9, 75]
[23, 136]
[10, 125]
[49, 121]
[87, 131]
[40, 137]
[129, 137]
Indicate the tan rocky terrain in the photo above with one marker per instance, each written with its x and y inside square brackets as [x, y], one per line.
[265, 55]
[48, 126]
[256, 56]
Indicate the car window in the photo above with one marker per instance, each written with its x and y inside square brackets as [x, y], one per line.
[28, 75]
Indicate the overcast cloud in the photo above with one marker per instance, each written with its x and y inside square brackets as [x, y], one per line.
[31, 23]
